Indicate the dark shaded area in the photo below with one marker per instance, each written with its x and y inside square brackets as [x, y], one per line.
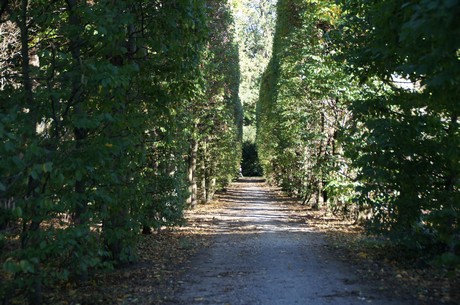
[250, 164]
[257, 179]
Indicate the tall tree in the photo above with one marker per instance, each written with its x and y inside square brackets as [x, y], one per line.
[302, 105]
[405, 131]
[255, 24]
[216, 141]
[93, 110]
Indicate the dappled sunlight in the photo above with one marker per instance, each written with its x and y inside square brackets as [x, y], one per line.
[249, 217]
[264, 248]
[248, 206]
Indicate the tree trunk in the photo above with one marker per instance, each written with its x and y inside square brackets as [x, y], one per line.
[121, 248]
[204, 178]
[211, 189]
[76, 99]
[80, 134]
[319, 160]
[191, 175]
[146, 230]
[30, 233]
[450, 181]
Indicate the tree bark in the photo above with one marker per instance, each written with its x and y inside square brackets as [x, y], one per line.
[204, 173]
[119, 215]
[29, 235]
[80, 213]
[452, 177]
[191, 173]
[80, 134]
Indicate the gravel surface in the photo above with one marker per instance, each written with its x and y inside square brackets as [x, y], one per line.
[262, 254]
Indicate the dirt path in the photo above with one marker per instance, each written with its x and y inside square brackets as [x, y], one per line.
[262, 254]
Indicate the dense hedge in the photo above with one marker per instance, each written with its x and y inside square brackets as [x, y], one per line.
[100, 102]
[358, 111]
[302, 104]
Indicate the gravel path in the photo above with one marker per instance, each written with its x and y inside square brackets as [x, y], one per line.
[262, 255]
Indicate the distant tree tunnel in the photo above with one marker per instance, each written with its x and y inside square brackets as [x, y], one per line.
[250, 164]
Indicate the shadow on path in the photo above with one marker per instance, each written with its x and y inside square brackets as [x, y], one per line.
[262, 254]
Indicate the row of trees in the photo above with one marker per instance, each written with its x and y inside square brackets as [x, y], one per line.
[302, 103]
[358, 110]
[114, 115]
[254, 25]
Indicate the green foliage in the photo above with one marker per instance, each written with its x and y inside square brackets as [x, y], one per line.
[218, 115]
[96, 115]
[404, 138]
[302, 104]
[255, 23]
[359, 105]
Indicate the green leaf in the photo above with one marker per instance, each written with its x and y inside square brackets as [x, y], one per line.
[17, 212]
[34, 174]
[47, 167]
[78, 175]
[26, 266]
[11, 266]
